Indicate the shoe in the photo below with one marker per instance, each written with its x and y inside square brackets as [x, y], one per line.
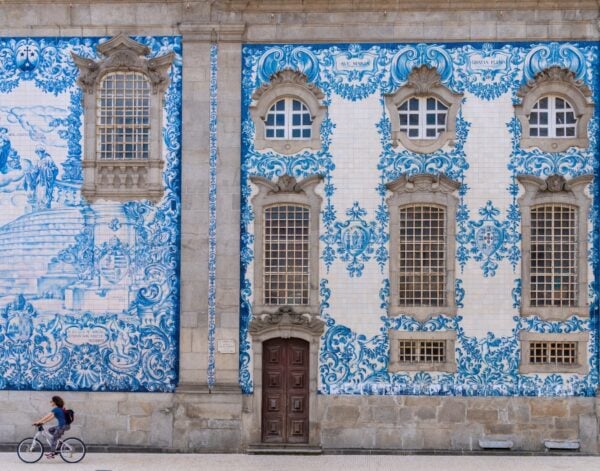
[50, 455]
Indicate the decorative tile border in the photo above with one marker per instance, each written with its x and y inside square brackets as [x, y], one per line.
[212, 208]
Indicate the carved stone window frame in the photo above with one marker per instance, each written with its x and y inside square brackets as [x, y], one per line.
[581, 338]
[423, 81]
[284, 84]
[448, 336]
[422, 189]
[121, 179]
[555, 190]
[286, 191]
[555, 81]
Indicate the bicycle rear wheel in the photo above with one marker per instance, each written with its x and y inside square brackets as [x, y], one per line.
[72, 450]
[29, 450]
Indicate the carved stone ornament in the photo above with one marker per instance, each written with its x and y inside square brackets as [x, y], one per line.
[286, 318]
[123, 53]
[554, 184]
[286, 183]
[423, 80]
[554, 74]
[423, 182]
[289, 76]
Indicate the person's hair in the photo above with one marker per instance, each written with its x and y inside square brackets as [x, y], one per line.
[58, 401]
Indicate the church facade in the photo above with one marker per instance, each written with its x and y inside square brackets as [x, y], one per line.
[238, 226]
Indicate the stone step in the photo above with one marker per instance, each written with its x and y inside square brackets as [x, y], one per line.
[283, 449]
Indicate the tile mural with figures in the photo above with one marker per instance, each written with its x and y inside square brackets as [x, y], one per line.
[89, 294]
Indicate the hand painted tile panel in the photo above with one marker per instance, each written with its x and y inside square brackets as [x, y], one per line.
[485, 158]
[89, 294]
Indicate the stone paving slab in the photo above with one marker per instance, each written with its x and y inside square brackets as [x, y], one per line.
[185, 462]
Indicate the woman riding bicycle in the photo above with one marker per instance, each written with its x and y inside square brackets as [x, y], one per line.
[57, 431]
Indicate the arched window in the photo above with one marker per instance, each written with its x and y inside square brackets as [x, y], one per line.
[286, 258]
[287, 113]
[286, 245]
[553, 261]
[123, 116]
[423, 112]
[552, 116]
[422, 246]
[554, 270]
[422, 254]
[288, 118]
[554, 111]
[423, 117]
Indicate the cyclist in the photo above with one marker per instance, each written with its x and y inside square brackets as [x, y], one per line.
[57, 431]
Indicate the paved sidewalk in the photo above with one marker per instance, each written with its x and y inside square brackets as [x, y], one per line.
[176, 462]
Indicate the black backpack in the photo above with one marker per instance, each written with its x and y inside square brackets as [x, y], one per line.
[69, 416]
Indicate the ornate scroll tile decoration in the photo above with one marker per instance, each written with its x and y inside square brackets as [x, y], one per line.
[488, 73]
[353, 240]
[126, 339]
[352, 363]
[277, 58]
[489, 239]
[544, 56]
[409, 57]
[356, 72]
[212, 223]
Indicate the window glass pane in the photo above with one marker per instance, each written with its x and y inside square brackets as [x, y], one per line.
[431, 103]
[414, 104]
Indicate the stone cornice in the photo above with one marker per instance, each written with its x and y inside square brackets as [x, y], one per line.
[212, 32]
[396, 5]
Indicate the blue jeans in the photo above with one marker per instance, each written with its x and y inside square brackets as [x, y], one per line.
[56, 433]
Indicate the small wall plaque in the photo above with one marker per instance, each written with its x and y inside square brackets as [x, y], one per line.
[226, 346]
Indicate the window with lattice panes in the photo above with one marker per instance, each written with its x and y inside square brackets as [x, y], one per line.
[423, 117]
[553, 262]
[553, 353]
[422, 253]
[123, 117]
[288, 118]
[286, 255]
[553, 117]
[421, 351]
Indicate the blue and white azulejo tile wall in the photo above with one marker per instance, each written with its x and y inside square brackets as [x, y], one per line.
[89, 294]
[357, 159]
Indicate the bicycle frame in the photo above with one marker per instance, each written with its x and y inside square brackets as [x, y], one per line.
[43, 433]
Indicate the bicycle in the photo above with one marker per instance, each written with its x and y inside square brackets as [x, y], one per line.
[31, 449]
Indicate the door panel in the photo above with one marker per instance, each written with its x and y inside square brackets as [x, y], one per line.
[285, 391]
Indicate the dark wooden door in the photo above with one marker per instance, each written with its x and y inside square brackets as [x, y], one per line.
[285, 391]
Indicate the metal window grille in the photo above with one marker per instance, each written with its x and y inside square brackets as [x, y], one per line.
[422, 351]
[423, 117]
[286, 255]
[123, 116]
[422, 268]
[553, 264]
[288, 118]
[552, 116]
[553, 353]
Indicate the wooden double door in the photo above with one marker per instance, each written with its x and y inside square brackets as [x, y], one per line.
[285, 391]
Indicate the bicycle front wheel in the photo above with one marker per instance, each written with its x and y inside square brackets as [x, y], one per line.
[72, 450]
[29, 450]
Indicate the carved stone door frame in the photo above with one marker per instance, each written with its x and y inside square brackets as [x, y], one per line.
[285, 323]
